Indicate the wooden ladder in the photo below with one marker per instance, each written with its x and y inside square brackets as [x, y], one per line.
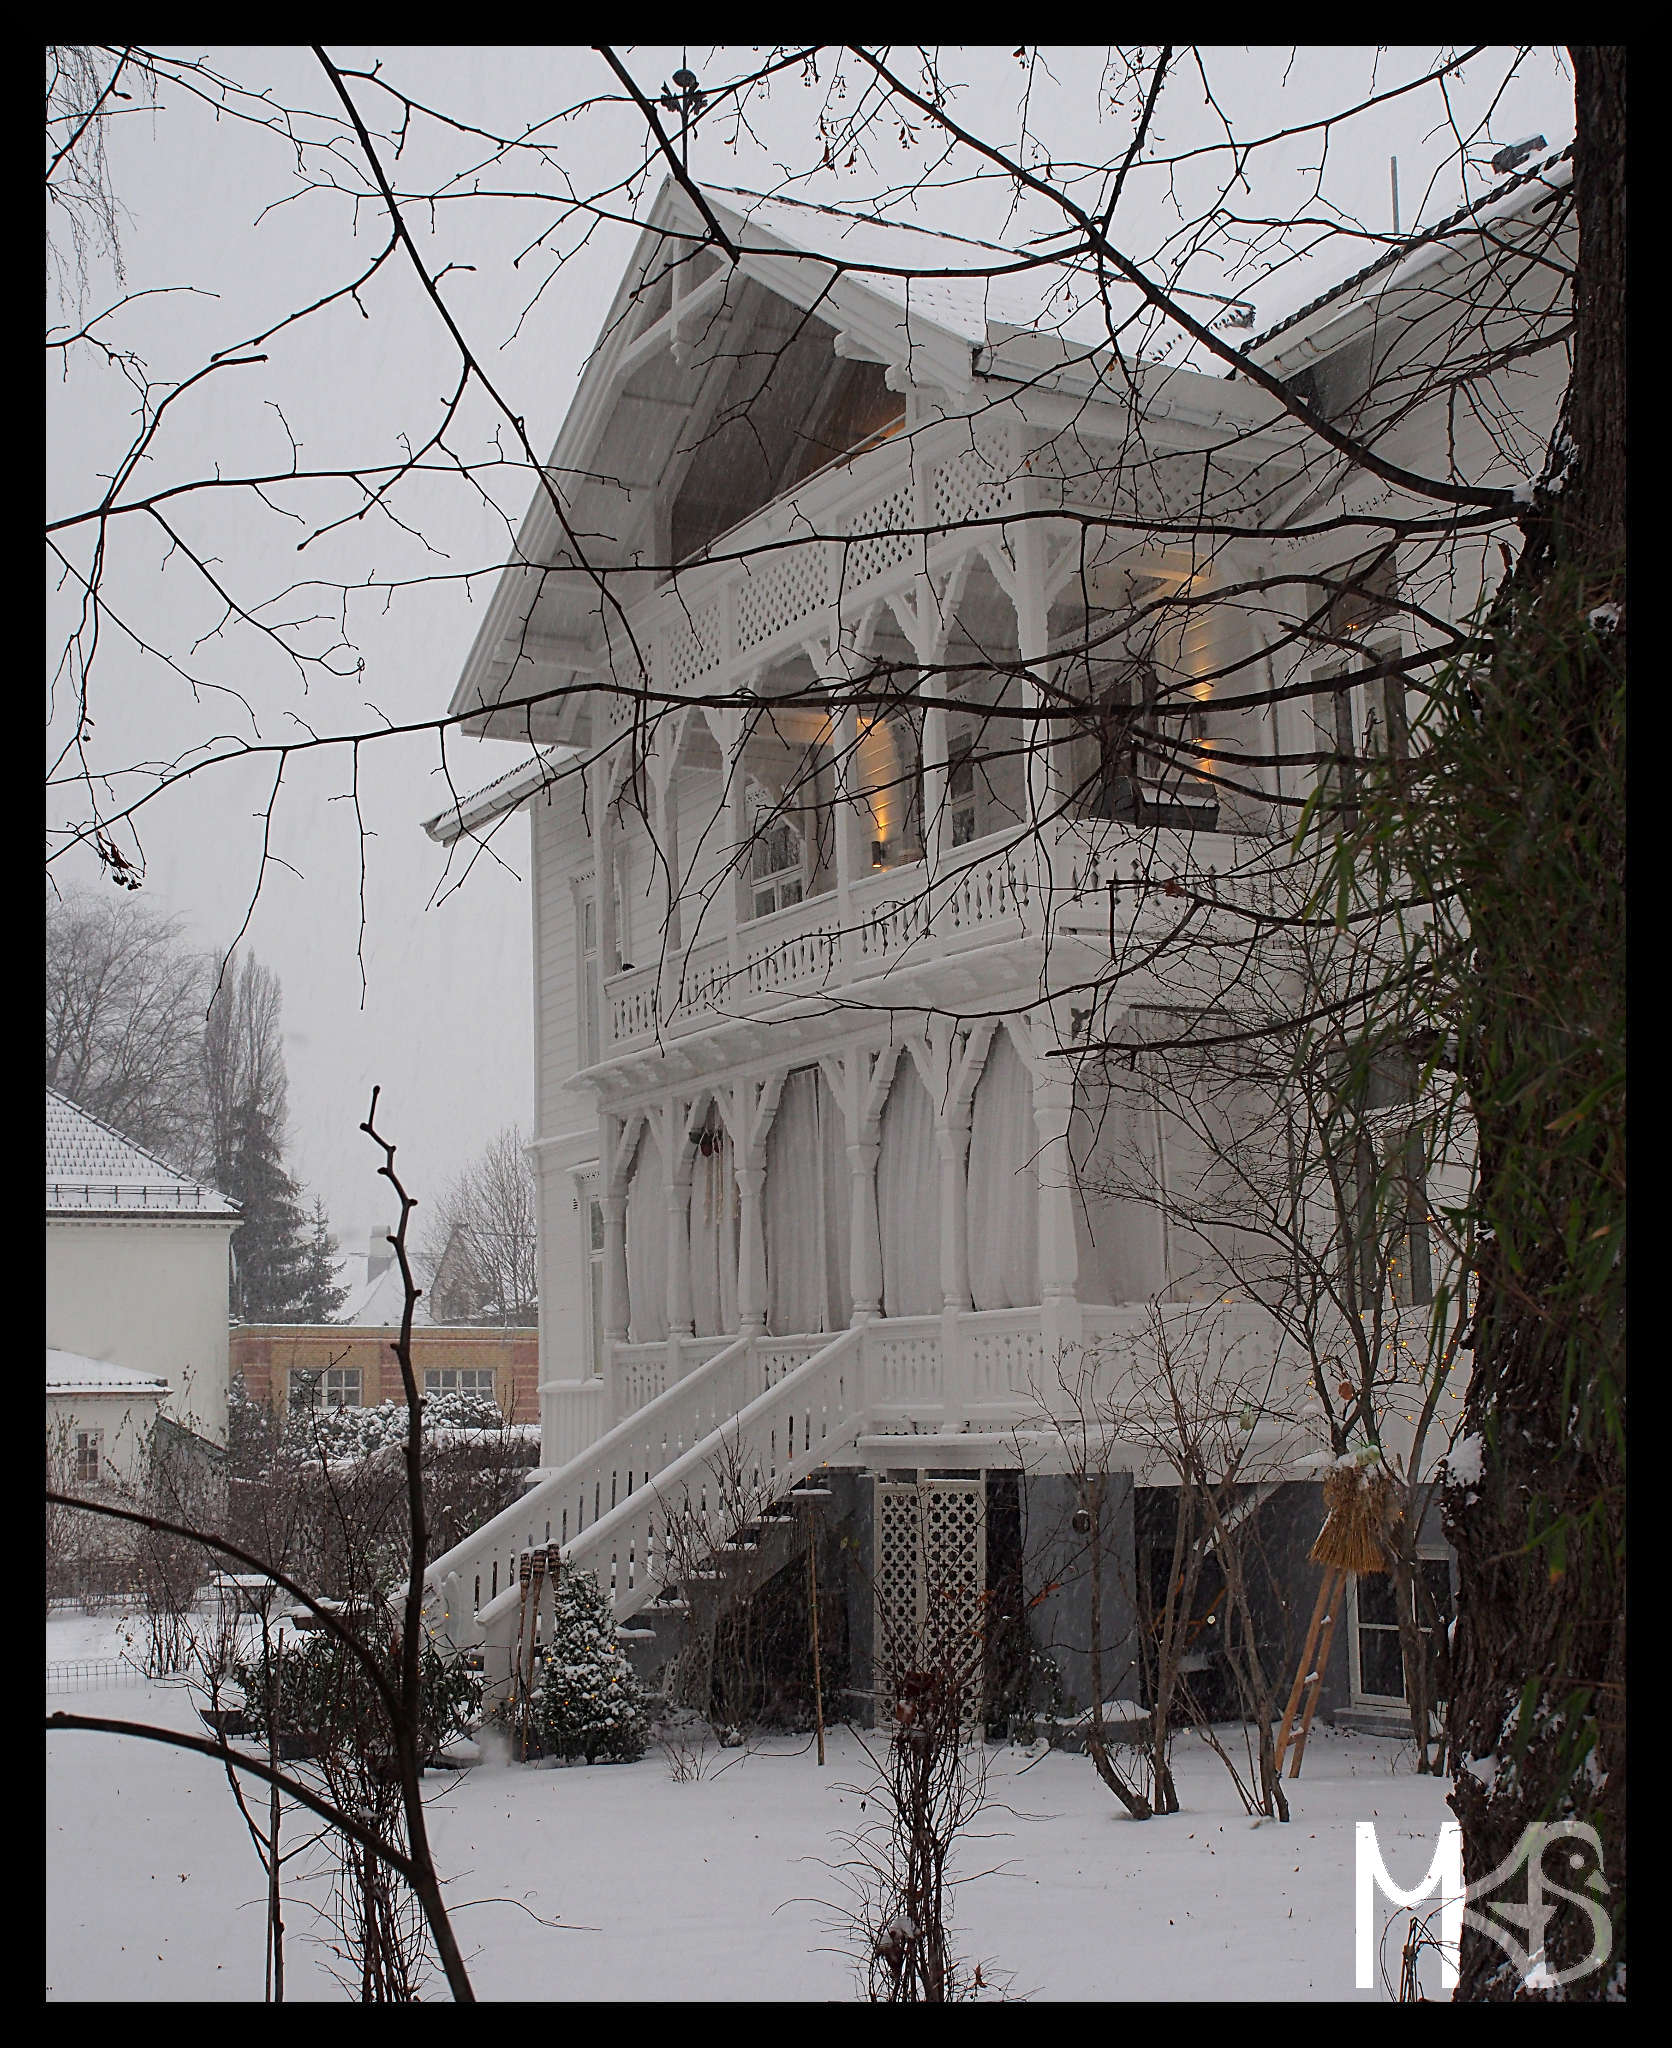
[1314, 1659]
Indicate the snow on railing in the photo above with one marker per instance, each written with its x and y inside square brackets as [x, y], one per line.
[772, 1410]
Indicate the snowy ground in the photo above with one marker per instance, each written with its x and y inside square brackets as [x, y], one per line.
[713, 1890]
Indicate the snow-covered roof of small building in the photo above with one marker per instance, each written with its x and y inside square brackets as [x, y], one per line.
[67, 1372]
[91, 1167]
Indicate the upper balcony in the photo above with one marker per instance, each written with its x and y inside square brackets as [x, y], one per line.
[930, 547]
[1001, 910]
[815, 563]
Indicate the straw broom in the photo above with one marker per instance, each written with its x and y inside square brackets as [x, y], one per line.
[1358, 1519]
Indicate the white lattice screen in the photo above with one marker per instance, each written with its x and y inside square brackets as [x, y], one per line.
[930, 1576]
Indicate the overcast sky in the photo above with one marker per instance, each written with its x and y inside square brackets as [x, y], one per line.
[444, 1022]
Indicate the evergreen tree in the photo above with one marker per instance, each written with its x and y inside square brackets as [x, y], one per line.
[278, 1274]
[592, 1704]
[321, 1296]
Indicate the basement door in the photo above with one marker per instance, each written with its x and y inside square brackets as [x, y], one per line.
[930, 1575]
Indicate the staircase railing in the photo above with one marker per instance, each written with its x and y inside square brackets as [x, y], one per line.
[559, 1506]
[777, 1419]
[749, 1459]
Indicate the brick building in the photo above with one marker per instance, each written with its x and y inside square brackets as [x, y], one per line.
[354, 1364]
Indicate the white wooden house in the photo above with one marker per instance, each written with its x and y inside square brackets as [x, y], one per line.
[812, 1163]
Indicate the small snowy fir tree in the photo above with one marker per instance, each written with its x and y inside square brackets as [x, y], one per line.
[592, 1705]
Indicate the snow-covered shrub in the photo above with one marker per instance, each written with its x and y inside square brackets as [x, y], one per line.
[323, 1699]
[359, 1432]
[591, 1703]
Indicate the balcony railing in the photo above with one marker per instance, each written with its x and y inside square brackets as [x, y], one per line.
[1005, 887]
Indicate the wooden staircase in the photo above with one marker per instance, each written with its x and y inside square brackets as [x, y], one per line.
[684, 1494]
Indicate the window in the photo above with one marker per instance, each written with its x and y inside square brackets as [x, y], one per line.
[339, 1387]
[89, 1445]
[1128, 764]
[1366, 715]
[453, 1379]
[1379, 1660]
[777, 863]
[1390, 1228]
[593, 1276]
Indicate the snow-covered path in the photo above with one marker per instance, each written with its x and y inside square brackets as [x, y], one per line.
[712, 1890]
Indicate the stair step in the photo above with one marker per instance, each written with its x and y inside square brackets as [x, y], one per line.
[811, 1493]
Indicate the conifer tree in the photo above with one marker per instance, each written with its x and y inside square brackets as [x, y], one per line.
[592, 1704]
[282, 1274]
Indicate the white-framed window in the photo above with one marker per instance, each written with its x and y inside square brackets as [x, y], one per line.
[461, 1379]
[592, 1264]
[1391, 1239]
[1131, 762]
[339, 1387]
[89, 1455]
[588, 985]
[1377, 1659]
[777, 859]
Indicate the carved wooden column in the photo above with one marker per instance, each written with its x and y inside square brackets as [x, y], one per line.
[865, 1232]
[680, 1160]
[615, 1268]
[751, 1248]
[1053, 1103]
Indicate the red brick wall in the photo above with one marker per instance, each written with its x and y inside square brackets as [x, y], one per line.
[266, 1354]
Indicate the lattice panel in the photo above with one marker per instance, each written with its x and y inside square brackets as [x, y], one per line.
[976, 483]
[693, 644]
[788, 587]
[868, 559]
[898, 1579]
[931, 1575]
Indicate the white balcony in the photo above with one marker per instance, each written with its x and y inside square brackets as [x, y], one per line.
[1009, 888]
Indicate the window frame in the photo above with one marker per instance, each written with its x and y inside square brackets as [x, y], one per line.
[89, 1456]
[589, 1206]
[313, 1385]
[436, 1373]
[1427, 1555]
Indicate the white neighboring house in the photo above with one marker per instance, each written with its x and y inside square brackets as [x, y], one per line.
[99, 1420]
[137, 1274]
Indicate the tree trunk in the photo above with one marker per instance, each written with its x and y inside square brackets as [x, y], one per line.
[1538, 1672]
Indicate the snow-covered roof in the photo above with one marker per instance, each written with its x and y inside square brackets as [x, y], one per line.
[67, 1372]
[90, 1166]
[1514, 195]
[380, 1303]
[494, 799]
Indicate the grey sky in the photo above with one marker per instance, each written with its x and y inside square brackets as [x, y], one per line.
[445, 1024]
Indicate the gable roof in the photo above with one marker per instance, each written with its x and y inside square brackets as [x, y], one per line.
[551, 626]
[90, 1167]
[380, 1303]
